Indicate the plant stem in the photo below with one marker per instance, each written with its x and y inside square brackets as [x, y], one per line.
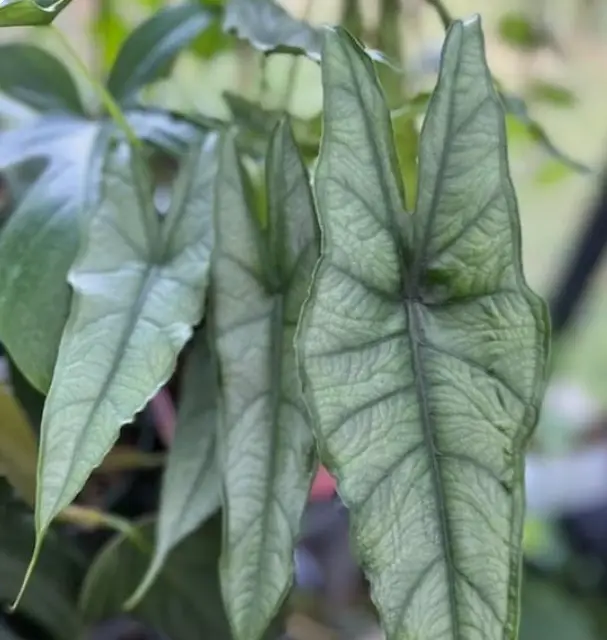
[295, 61]
[102, 93]
[443, 12]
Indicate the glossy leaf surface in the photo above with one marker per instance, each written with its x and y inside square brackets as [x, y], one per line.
[33, 76]
[260, 280]
[139, 284]
[150, 50]
[191, 484]
[423, 349]
[25, 13]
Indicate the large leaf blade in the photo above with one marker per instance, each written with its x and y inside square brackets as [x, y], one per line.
[25, 13]
[422, 348]
[191, 483]
[259, 283]
[149, 51]
[34, 77]
[139, 286]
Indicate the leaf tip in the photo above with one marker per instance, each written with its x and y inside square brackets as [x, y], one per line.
[29, 572]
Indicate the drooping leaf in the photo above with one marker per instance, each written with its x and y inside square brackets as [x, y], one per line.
[148, 53]
[37, 78]
[185, 600]
[422, 348]
[18, 448]
[34, 295]
[26, 13]
[51, 600]
[139, 284]
[260, 280]
[66, 155]
[269, 27]
[191, 483]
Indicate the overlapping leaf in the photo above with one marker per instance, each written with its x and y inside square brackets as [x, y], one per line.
[260, 280]
[422, 348]
[191, 485]
[149, 51]
[36, 78]
[139, 286]
[24, 13]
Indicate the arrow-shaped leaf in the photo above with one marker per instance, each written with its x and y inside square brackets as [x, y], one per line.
[260, 280]
[191, 484]
[139, 286]
[422, 348]
[149, 51]
[33, 76]
[25, 13]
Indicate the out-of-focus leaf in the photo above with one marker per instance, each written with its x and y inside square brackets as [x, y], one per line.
[52, 597]
[552, 172]
[213, 40]
[34, 294]
[517, 108]
[26, 13]
[260, 280]
[269, 27]
[518, 30]
[406, 138]
[390, 34]
[185, 600]
[125, 458]
[352, 18]
[110, 31]
[139, 285]
[148, 53]
[30, 400]
[18, 448]
[428, 323]
[36, 78]
[251, 116]
[551, 93]
[191, 483]
[548, 613]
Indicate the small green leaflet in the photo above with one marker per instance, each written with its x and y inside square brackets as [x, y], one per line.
[139, 285]
[149, 51]
[260, 279]
[191, 485]
[422, 349]
[26, 13]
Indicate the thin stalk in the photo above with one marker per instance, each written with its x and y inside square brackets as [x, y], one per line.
[442, 11]
[102, 93]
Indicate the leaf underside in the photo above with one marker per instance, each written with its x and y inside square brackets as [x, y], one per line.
[422, 348]
[260, 281]
[139, 284]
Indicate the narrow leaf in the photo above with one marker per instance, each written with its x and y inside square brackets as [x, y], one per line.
[38, 79]
[260, 280]
[139, 285]
[150, 50]
[25, 13]
[271, 28]
[191, 483]
[422, 348]
[185, 600]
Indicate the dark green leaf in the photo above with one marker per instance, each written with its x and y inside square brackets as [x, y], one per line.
[110, 31]
[184, 602]
[150, 50]
[33, 76]
[406, 138]
[191, 483]
[352, 18]
[25, 13]
[51, 600]
[260, 280]
[271, 28]
[34, 295]
[139, 286]
[422, 348]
